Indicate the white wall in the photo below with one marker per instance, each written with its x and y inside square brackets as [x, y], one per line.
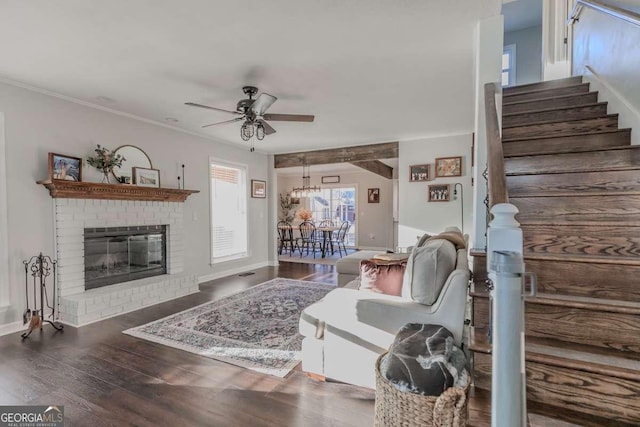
[489, 44]
[37, 124]
[375, 220]
[556, 61]
[4, 248]
[606, 50]
[418, 216]
[528, 53]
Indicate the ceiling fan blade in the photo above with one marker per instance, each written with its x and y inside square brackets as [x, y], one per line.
[193, 104]
[261, 103]
[226, 121]
[289, 117]
[268, 130]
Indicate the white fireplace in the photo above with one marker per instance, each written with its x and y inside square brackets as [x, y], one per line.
[79, 306]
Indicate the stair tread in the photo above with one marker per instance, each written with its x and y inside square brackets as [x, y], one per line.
[480, 412]
[534, 137]
[542, 110]
[610, 116]
[548, 98]
[581, 194]
[535, 88]
[569, 151]
[577, 258]
[588, 303]
[585, 258]
[565, 354]
[520, 166]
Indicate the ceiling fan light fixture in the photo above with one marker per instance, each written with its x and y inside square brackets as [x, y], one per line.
[246, 131]
[259, 132]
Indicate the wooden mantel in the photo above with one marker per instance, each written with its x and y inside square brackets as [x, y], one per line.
[94, 190]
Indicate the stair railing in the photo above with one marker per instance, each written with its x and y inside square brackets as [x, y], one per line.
[505, 266]
[495, 158]
[625, 15]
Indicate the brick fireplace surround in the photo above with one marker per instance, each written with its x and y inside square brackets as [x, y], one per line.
[79, 306]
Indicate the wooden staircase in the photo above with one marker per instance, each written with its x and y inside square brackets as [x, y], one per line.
[575, 178]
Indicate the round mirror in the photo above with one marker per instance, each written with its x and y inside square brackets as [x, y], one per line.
[135, 158]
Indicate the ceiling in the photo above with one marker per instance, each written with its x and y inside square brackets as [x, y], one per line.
[521, 14]
[370, 70]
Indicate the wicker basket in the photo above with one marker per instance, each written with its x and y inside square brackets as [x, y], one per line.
[397, 408]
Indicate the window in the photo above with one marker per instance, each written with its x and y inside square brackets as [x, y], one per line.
[228, 211]
[509, 65]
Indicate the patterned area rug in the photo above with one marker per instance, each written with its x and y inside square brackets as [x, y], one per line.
[255, 329]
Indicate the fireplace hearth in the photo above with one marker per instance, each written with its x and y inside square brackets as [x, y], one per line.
[121, 254]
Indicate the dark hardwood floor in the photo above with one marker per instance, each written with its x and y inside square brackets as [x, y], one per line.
[106, 378]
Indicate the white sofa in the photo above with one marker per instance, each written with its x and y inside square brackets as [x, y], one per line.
[346, 331]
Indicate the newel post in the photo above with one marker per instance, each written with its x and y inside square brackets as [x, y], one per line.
[506, 273]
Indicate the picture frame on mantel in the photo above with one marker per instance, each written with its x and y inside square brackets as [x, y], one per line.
[144, 177]
[65, 168]
[258, 189]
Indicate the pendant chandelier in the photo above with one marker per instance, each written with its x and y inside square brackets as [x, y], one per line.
[306, 190]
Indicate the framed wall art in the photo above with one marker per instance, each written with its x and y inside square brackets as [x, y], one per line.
[331, 179]
[439, 193]
[418, 173]
[448, 166]
[145, 177]
[258, 189]
[65, 168]
[373, 195]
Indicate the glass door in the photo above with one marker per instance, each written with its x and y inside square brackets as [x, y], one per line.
[337, 204]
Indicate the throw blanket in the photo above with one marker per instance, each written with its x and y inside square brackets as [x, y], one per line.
[456, 238]
[423, 359]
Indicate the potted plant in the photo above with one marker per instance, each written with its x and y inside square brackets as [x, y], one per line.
[286, 208]
[105, 160]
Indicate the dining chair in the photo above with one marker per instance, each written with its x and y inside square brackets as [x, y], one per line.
[341, 237]
[285, 238]
[308, 237]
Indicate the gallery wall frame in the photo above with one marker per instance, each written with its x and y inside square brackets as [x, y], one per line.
[448, 166]
[419, 173]
[439, 192]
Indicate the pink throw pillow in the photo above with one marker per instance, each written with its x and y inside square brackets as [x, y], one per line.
[382, 276]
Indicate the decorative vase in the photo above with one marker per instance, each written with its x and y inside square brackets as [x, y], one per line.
[105, 176]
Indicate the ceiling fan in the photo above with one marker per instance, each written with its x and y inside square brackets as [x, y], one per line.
[252, 112]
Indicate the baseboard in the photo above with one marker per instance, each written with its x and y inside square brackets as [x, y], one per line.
[11, 328]
[274, 263]
[628, 115]
[232, 271]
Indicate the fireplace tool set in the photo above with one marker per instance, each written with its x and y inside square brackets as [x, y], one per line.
[40, 267]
